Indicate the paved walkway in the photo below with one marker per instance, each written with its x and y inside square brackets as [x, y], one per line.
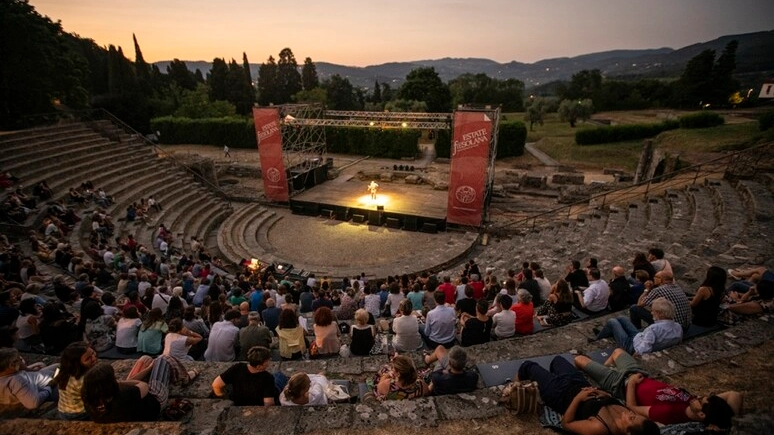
[540, 155]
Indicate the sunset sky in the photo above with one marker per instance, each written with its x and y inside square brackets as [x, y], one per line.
[366, 32]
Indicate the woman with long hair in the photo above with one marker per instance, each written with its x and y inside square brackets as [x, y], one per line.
[139, 398]
[77, 358]
[706, 302]
[292, 343]
[557, 309]
[326, 333]
[150, 337]
[399, 380]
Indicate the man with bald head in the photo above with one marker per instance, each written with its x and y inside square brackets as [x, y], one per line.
[663, 285]
[619, 290]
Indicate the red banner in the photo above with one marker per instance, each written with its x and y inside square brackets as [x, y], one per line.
[469, 161]
[267, 131]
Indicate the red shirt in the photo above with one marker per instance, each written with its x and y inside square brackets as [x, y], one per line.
[449, 291]
[478, 289]
[667, 403]
[524, 318]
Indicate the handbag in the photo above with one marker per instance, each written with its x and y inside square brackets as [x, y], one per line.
[521, 397]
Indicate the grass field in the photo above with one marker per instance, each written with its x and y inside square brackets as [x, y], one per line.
[557, 139]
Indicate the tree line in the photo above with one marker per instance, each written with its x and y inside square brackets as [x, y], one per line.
[44, 68]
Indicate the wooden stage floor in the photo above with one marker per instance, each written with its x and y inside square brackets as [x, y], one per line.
[396, 197]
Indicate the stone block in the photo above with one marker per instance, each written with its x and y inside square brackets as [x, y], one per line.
[321, 418]
[205, 416]
[576, 179]
[413, 179]
[467, 406]
[259, 420]
[534, 181]
[412, 413]
[60, 427]
[386, 176]
[347, 366]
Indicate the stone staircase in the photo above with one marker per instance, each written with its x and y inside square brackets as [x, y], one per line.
[716, 223]
[69, 154]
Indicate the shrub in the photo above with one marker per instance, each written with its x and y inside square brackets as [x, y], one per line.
[619, 133]
[701, 120]
[766, 121]
[510, 141]
[232, 131]
[389, 143]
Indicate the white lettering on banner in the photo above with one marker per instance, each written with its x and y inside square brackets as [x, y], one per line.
[268, 130]
[470, 140]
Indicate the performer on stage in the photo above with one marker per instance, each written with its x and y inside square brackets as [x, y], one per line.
[372, 188]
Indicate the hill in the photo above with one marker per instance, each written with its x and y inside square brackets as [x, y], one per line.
[753, 58]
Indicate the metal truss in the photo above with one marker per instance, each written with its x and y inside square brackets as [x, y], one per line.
[303, 144]
[372, 123]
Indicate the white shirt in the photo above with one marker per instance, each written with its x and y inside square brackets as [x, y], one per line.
[317, 386]
[545, 287]
[461, 292]
[108, 258]
[595, 296]
[126, 332]
[220, 347]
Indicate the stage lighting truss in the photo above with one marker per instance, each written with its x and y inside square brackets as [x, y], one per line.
[303, 144]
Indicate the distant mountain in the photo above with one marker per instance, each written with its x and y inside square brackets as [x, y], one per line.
[754, 56]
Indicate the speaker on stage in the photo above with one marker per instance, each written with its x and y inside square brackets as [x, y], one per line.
[379, 208]
[427, 227]
[393, 223]
[410, 223]
[374, 218]
[358, 218]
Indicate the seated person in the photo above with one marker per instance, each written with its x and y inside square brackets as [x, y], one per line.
[305, 390]
[22, 384]
[504, 321]
[476, 329]
[524, 312]
[557, 309]
[141, 397]
[585, 409]
[399, 380]
[449, 375]
[594, 298]
[363, 334]
[663, 333]
[660, 402]
[440, 323]
[251, 383]
[759, 299]
[326, 334]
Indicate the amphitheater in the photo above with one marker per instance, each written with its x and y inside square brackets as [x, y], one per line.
[706, 219]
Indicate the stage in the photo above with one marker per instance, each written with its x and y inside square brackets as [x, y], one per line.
[397, 204]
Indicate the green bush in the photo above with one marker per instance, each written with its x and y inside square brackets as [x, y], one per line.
[510, 141]
[443, 144]
[701, 120]
[234, 132]
[619, 133]
[766, 121]
[389, 143]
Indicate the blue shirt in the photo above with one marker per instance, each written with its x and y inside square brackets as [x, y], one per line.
[660, 335]
[440, 324]
[256, 299]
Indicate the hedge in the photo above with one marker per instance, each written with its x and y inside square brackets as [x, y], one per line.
[618, 133]
[766, 121]
[510, 140]
[701, 120]
[388, 143]
[234, 132]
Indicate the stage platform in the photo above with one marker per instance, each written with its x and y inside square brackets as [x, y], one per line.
[397, 205]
